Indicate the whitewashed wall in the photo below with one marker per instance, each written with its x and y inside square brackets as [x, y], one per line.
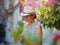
[16, 14]
[15, 22]
[8, 24]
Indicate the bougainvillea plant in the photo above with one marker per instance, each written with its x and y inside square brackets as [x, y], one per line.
[47, 10]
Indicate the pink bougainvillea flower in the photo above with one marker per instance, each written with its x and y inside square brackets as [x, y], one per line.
[36, 4]
[55, 1]
[21, 8]
[30, 2]
[56, 36]
[50, 2]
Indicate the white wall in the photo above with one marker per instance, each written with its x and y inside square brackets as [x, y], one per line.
[8, 24]
[15, 22]
[6, 4]
[16, 19]
[16, 14]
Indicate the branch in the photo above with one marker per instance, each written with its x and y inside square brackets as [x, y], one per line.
[11, 10]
